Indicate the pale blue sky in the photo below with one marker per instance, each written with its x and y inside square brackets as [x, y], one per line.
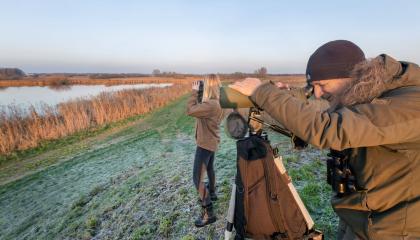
[197, 36]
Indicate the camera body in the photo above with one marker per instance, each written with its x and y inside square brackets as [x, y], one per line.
[200, 91]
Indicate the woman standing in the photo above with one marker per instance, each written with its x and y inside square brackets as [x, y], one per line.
[208, 114]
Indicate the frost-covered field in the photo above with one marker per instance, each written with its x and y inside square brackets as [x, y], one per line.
[133, 181]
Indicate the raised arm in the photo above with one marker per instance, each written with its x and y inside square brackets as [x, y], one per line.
[361, 126]
[200, 110]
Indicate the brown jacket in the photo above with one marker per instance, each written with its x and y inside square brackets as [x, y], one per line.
[384, 136]
[208, 117]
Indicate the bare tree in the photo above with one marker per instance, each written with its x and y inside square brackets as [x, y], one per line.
[156, 72]
[261, 72]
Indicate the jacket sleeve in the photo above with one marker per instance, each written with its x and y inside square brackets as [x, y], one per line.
[362, 126]
[199, 110]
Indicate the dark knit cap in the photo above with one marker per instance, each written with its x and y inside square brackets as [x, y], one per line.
[335, 59]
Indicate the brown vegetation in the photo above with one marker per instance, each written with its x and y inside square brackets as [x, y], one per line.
[113, 79]
[57, 79]
[295, 80]
[19, 131]
[292, 80]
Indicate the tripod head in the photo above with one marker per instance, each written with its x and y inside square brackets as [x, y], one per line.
[237, 127]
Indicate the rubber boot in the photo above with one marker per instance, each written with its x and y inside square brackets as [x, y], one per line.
[207, 217]
[213, 195]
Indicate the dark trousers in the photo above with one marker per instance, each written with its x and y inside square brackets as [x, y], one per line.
[344, 232]
[203, 163]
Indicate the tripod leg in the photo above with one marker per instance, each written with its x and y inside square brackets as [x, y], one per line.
[230, 213]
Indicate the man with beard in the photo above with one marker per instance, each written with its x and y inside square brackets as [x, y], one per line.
[372, 129]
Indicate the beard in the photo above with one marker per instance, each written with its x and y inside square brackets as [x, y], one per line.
[335, 98]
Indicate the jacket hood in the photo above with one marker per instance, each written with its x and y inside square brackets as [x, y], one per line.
[400, 73]
[373, 77]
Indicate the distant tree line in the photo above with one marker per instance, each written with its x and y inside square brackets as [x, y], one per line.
[261, 72]
[15, 73]
[11, 73]
[116, 75]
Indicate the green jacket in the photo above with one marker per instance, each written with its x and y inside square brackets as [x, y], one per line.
[384, 136]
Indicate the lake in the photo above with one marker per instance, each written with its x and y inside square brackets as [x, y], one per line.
[51, 95]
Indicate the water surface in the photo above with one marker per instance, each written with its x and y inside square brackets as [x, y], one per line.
[23, 97]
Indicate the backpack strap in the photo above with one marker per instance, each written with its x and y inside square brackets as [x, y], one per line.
[275, 213]
[239, 216]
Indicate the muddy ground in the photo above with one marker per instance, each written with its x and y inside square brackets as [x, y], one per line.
[134, 182]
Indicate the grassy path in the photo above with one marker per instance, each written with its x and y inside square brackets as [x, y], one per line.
[134, 182]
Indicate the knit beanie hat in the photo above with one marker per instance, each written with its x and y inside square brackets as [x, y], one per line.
[335, 59]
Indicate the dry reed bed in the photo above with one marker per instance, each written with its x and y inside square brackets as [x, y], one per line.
[80, 80]
[62, 80]
[292, 80]
[20, 131]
